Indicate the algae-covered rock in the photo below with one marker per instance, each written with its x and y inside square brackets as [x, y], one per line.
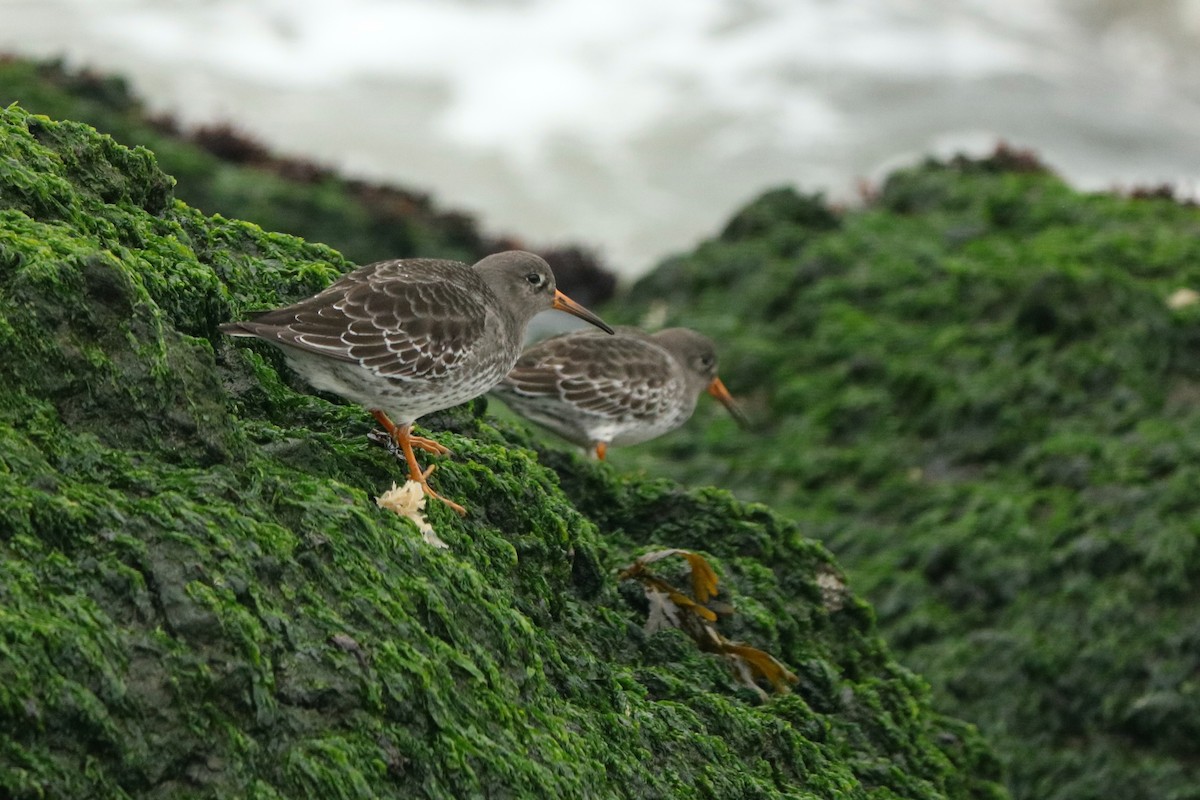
[982, 392]
[199, 597]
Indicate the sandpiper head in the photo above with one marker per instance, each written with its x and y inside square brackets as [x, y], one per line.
[698, 355]
[524, 282]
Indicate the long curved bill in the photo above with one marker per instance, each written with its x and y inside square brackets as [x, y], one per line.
[564, 303]
[718, 390]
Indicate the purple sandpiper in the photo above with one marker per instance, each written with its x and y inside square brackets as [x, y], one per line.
[411, 336]
[600, 390]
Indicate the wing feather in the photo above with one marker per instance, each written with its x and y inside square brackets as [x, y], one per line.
[412, 319]
[620, 377]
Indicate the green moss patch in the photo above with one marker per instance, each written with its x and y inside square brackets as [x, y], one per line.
[980, 394]
[199, 597]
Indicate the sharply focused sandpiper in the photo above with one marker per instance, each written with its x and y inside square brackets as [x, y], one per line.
[597, 390]
[412, 336]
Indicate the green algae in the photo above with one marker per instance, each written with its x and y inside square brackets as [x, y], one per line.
[974, 391]
[199, 597]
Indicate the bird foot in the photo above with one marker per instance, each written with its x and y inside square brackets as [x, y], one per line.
[462, 512]
[385, 440]
[391, 440]
[428, 445]
[423, 479]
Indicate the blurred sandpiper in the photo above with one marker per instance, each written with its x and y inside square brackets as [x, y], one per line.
[597, 390]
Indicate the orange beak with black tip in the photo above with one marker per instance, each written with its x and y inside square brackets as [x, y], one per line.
[718, 390]
[564, 303]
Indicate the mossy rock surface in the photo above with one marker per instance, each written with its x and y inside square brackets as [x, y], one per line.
[199, 597]
[982, 392]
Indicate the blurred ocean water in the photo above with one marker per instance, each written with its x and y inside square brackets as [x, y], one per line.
[639, 127]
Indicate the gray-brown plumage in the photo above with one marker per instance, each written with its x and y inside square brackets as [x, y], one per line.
[408, 337]
[600, 390]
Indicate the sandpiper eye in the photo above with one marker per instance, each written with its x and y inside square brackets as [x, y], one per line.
[535, 279]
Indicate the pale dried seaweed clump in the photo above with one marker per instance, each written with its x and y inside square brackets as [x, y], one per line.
[1182, 298]
[409, 501]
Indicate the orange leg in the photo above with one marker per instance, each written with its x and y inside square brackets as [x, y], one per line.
[428, 445]
[418, 442]
[600, 450]
[402, 436]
